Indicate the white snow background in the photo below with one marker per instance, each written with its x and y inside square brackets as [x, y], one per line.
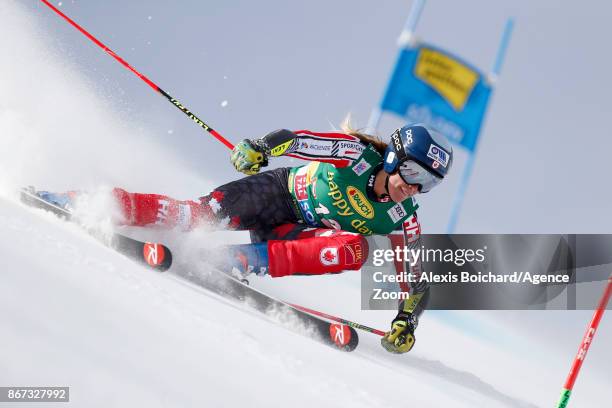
[75, 313]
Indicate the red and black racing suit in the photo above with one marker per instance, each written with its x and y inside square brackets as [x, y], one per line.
[263, 205]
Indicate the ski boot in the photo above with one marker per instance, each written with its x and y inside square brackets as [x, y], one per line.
[65, 201]
[245, 259]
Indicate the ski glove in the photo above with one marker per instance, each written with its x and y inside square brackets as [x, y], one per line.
[401, 337]
[249, 157]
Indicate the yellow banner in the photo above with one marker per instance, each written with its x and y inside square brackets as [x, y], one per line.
[453, 80]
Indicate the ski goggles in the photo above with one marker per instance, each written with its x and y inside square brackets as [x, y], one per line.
[413, 173]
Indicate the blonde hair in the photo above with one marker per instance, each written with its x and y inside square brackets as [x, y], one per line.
[375, 141]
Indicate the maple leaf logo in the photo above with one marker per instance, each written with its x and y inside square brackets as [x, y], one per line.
[329, 256]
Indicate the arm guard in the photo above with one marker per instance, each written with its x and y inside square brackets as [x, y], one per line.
[410, 236]
[337, 148]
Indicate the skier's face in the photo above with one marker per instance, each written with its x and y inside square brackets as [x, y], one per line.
[399, 190]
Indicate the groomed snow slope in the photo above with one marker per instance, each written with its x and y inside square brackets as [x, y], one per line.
[75, 313]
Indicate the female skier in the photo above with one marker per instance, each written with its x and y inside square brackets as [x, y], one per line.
[312, 219]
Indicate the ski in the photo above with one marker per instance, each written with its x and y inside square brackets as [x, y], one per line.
[337, 335]
[152, 255]
[159, 257]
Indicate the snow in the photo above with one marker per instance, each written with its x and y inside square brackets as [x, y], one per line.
[74, 313]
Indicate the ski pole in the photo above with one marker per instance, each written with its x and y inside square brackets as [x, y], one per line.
[584, 346]
[110, 52]
[338, 319]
